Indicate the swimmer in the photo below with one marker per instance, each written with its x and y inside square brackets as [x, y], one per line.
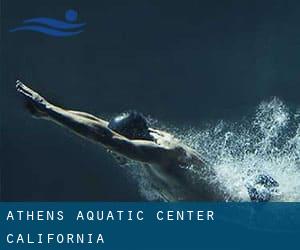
[129, 136]
[262, 188]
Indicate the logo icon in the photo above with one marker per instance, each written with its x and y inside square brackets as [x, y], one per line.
[53, 27]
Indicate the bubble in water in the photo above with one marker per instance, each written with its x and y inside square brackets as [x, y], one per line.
[267, 142]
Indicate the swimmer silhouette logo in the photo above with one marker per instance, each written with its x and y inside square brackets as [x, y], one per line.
[53, 27]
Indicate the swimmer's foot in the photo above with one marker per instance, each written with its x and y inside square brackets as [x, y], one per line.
[263, 188]
[34, 103]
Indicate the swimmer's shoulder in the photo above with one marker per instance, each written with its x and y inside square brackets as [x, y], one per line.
[185, 155]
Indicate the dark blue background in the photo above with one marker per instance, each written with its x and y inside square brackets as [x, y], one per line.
[236, 226]
[183, 62]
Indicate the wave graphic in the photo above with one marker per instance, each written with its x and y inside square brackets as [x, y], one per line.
[48, 31]
[53, 23]
[53, 27]
[268, 141]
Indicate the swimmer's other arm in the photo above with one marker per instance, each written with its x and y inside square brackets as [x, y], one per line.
[95, 129]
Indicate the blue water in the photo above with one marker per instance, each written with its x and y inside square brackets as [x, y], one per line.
[268, 141]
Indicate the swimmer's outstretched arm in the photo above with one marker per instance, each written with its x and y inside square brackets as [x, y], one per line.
[95, 129]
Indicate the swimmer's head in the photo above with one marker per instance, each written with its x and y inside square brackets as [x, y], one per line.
[132, 125]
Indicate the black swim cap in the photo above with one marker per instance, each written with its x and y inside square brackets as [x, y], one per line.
[132, 125]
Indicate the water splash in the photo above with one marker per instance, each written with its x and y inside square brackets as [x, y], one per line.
[267, 142]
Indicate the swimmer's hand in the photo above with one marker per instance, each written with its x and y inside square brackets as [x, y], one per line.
[35, 103]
